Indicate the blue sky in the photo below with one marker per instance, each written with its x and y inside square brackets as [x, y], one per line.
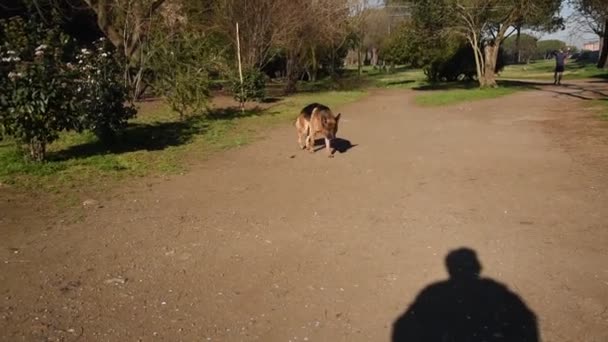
[572, 35]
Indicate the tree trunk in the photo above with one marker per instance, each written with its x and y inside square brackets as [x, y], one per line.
[518, 46]
[359, 61]
[488, 78]
[478, 60]
[332, 68]
[374, 61]
[292, 74]
[603, 61]
[37, 149]
[314, 65]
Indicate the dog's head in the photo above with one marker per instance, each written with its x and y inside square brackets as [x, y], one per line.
[329, 123]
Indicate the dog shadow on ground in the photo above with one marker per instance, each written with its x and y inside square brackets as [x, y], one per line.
[338, 145]
[466, 307]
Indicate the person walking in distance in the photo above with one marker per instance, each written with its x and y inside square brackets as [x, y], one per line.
[560, 65]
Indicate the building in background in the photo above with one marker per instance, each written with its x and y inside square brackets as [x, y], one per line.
[592, 46]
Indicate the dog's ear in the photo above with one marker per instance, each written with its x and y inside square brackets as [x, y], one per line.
[338, 117]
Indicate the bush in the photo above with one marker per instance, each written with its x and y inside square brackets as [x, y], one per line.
[43, 94]
[276, 65]
[182, 65]
[36, 89]
[254, 86]
[458, 66]
[545, 48]
[403, 47]
[101, 95]
[527, 48]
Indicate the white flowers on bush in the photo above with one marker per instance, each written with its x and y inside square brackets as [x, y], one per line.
[11, 59]
[14, 75]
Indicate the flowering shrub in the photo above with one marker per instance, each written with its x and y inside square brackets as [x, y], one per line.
[101, 95]
[42, 93]
[36, 90]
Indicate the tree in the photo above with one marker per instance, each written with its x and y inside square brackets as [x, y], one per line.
[522, 48]
[545, 48]
[126, 24]
[594, 15]
[37, 98]
[399, 47]
[259, 25]
[359, 13]
[375, 32]
[182, 57]
[307, 27]
[101, 94]
[486, 23]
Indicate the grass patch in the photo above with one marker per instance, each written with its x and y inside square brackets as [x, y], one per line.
[602, 107]
[156, 142]
[399, 77]
[544, 70]
[452, 93]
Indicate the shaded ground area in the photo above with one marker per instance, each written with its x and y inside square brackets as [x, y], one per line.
[269, 243]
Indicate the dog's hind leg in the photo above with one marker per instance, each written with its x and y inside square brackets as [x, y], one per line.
[302, 137]
[310, 141]
[302, 128]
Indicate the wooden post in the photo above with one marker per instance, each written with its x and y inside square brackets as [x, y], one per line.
[238, 47]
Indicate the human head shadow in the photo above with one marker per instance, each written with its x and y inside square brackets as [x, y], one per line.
[466, 308]
[338, 145]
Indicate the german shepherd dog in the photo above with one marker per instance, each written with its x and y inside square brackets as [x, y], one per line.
[317, 119]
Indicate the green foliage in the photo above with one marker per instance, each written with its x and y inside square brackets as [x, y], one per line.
[402, 47]
[527, 48]
[42, 93]
[331, 60]
[182, 63]
[37, 98]
[457, 66]
[438, 27]
[546, 47]
[102, 96]
[254, 86]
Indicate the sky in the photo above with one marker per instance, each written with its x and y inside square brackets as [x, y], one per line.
[573, 34]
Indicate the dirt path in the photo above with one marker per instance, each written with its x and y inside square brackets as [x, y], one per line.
[257, 246]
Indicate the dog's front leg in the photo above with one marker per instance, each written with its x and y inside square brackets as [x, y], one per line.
[328, 148]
